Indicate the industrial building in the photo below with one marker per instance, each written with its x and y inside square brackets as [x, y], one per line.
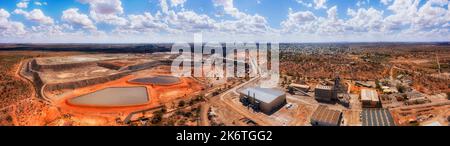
[376, 117]
[266, 100]
[298, 88]
[364, 84]
[415, 97]
[302, 87]
[324, 93]
[369, 98]
[434, 123]
[326, 117]
[344, 99]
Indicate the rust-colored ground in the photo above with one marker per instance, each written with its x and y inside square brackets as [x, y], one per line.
[158, 95]
[422, 114]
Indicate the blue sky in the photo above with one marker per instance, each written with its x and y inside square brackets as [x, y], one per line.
[126, 21]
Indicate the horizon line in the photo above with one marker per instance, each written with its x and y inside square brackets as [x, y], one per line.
[324, 42]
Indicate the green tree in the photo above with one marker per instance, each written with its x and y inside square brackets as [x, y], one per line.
[377, 84]
[181, 103]
[157, 117]
[401, 88]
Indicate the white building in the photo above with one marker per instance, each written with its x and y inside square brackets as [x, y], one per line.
[269, 100]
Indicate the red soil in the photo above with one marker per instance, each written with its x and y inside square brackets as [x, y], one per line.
[158, 95]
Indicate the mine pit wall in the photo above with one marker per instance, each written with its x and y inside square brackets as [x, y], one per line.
[41, 86]
[141, 66]
[146, 65]
[84, 83]
[37, 81]
[108, 66]
[100, 80]
[60, 67]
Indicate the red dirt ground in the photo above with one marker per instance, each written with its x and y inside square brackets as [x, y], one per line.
[158, 95]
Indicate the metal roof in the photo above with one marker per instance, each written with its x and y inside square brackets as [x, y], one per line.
[369, 95]
[435, 123]
[298, 85]
[266, 95]
[325, 115]
[377, 117]
[324, 87]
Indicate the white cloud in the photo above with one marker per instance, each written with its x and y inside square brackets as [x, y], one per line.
[10, 28]
[408, 16]
[332, 12]
[109, 19]
[143, 23]
[298, 22]
[385, 2]
[73, 17]
[438, 2]
[360, 3]
[403, 19]
[302, 2]
[429, 16]
[190, 21]
[296, 18]
[4, 14]
[36, 15]
[229, 8]
[307, 24]
[320, 4]
[37, 3]
[22, 4]
[187, 21]
[175, 3]
[170, 21]
[365, 20]
[105, 6]
[360, 21]
[408, 21]
[164, 7]
[243, 23]
[106, 11]
[403, 13]
[251, 24]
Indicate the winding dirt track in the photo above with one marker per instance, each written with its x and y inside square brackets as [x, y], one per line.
[17, 75]
[17, 68]
[204, 114]
[24, 79]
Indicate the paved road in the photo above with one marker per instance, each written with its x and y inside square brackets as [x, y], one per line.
[240, 109]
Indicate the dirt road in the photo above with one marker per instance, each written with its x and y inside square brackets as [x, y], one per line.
[204, 108]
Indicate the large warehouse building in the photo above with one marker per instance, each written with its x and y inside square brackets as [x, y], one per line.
[324, 93]
[266, 99]
[326, 117]
[298, 89]
[369, 98]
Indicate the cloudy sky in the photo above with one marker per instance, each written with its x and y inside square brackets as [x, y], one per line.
[148, 21]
